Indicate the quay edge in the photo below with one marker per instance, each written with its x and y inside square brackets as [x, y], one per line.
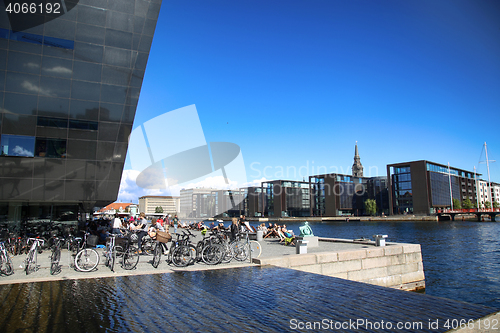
[396, 265]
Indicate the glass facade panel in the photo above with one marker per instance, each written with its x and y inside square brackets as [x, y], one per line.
[24, 62]
[81, 149]
[57, 67]
[55, 87]
[92, 15]
[117, 57]
[90, 33]
[88, 52]
[20, 104]
[87, 71]
[55, 148]
[22, 83]
[89, 91]
[16, 167]
[17, 145]
[61, 94]
[111, 112]
[84, 110]
[120, 39]
[53, 107]
[19, 124]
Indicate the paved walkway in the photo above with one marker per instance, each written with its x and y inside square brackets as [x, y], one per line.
[270, 248]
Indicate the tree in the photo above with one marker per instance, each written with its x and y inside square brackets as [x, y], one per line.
[159, 209]
[467, 204]
[370, 207]
[457, 204]
[496, 204]
[487, 204]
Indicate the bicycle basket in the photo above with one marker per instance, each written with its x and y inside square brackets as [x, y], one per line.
[92, 240]
[163, 237]
[133, 237]
[123, 242]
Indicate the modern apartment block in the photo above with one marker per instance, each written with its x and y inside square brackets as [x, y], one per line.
[336, 194]
[69, 87]
[487, 193]
[169, 204]
[421, 187]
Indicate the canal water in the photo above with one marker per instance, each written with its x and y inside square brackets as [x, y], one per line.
[461, 259]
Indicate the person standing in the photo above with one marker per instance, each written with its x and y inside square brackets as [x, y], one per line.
[142, 230]
[117, 225]
[176, 221]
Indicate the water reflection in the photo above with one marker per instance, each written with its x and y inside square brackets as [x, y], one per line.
[247, 299]
[460, 258]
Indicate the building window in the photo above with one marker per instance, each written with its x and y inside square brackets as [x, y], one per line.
[17, 145]
[50, 148]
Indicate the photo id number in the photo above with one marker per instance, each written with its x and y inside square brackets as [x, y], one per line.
[33, 8]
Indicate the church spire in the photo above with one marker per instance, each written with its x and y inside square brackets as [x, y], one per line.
[357, 167]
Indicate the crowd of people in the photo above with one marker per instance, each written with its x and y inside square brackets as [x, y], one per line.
[141, 227]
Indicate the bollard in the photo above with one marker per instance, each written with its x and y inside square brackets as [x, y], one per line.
[301, 246]
[380, 240]
[260, 235]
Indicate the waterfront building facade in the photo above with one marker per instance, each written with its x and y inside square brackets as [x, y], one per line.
[487, 193]
[148, 204]
[337, 194]
[282, 198]
[69, 87]
[195, 202]
[422, 187]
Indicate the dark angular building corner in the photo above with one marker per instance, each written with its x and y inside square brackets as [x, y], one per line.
[69, 86]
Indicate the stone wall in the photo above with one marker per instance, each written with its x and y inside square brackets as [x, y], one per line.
[395, 265]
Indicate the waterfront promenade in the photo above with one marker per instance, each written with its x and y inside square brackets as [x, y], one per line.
[271, 248]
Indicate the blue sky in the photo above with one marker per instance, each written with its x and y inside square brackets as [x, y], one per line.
[296, 83]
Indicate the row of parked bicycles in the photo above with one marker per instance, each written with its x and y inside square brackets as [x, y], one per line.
[215, 247]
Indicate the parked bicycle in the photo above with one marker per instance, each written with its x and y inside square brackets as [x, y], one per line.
[127, 251]
[55, 256]
[6, 265]
[87, 258]
[110, 252]
[162, 238]
[31, 261]
[182, 252]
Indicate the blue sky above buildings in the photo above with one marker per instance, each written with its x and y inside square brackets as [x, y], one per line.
[296, 83]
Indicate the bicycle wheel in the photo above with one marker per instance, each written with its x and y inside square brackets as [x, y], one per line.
[112, 259]
[212, 254]
[255, 248]
[130, 258]
[148, 246]
[30, 262]
[228, 253]
[157, 255]
[241, 250]
[6, 266]
[184, 255]
[55, 257]
[86, 260]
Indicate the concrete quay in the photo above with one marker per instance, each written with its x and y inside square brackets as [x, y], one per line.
[395, 265]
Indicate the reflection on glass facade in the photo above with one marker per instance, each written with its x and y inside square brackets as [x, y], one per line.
[403, 198]
[69, 87]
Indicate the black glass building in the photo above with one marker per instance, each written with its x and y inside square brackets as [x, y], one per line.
[70, 79]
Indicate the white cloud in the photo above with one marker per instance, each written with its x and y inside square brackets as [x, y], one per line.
[59, 70]
[130, 192]
[20, 151]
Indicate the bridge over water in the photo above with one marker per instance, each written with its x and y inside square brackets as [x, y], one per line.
[447, 214]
